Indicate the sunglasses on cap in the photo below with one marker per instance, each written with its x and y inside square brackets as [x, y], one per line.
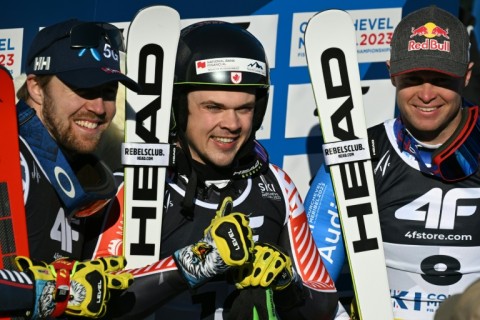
[458, 157]
[88, 35]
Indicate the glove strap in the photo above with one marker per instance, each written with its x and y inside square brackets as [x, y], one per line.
[61, 269]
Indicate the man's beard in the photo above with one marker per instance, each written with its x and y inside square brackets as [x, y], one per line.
[62, 131]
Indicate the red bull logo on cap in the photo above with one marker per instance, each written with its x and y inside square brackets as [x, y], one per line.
[430, 31]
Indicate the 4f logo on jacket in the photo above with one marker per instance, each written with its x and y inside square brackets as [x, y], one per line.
[439, 210]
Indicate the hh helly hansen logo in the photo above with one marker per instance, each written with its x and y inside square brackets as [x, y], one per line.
[42, 63]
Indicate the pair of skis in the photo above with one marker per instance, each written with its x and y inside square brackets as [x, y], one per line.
[330, 46]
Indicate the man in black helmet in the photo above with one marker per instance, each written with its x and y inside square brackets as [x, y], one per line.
[234, 227]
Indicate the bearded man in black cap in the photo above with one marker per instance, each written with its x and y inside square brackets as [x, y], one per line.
[65, 105]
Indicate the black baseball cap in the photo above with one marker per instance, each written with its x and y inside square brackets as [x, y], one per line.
[430, 39]
[81, 54]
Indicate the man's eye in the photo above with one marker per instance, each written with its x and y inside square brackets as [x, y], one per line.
[245, 110]
[213, 107]
[109, 94]
[413, 80]
[442, 81]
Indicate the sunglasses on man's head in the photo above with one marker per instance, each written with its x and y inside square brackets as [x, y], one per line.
[88, 35]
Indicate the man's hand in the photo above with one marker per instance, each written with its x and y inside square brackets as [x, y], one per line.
[227, 242]
[271, 268]
[73, 287]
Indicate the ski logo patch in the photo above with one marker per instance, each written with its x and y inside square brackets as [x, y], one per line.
[230, 64]
[345, 151]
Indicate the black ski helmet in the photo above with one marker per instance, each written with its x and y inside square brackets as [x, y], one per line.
[219, 53]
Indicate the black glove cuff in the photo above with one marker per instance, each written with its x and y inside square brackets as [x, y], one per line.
[290, 297]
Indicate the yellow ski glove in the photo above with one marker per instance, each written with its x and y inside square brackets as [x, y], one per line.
[73, 287]
[227, 242]
[271, 268]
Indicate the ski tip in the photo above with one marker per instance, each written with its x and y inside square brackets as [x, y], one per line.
[164, 16]
[336, 13]
[328, 25]
[159, 8]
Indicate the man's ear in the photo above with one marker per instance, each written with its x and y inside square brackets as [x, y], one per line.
[469, 73]
[35, 91]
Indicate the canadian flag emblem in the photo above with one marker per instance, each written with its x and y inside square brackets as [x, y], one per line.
[236, 77]
[201, 64]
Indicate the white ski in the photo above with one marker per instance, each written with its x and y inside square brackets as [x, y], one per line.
[152, 42]
[330, 45]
